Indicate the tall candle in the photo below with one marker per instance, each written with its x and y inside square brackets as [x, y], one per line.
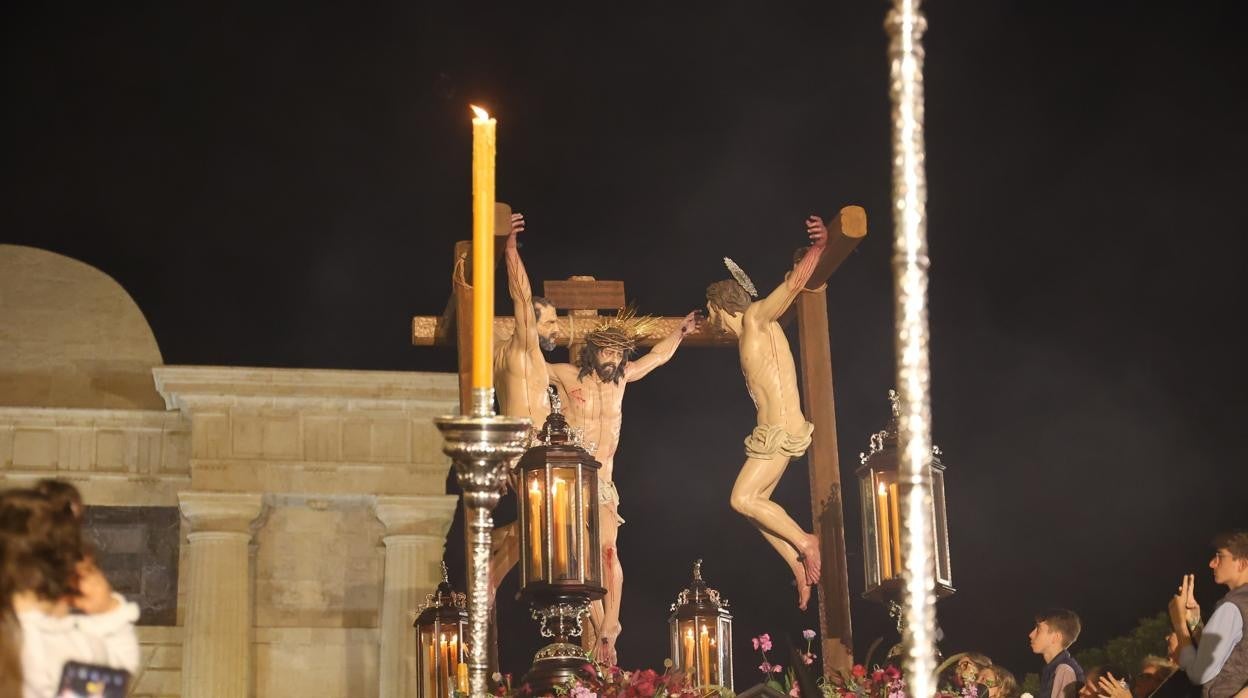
[704, 649]
[881, 515]
[483, 141]
[461, 676]
[444, 674]
[560, 515]
[535, 530]
[689, 651]
[894, 512]
[430, 678]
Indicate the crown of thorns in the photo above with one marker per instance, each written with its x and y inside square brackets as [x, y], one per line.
[622, 331]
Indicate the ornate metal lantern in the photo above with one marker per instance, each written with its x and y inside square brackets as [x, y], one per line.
[701, 633]
[879, 487]
[560, 564]
[441, 633]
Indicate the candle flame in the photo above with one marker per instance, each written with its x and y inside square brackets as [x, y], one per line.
[883, 489]
[535, 487]
[481, 113]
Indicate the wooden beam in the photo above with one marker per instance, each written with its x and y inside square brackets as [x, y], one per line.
[845, 231]
[462, 298]
[585, 295]
[426, 332]
[825, 481]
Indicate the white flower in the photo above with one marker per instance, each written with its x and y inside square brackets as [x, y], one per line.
[1026, 695]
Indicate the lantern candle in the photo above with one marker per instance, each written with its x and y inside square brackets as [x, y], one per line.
[689, 651]
[560, 505]
[483, 143]
[704, 653]
[894, 513]
[430, 678]
[881, 515]
[444, 675]
[461, 676]
[535, 528]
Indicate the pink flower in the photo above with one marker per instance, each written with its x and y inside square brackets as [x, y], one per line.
[765, 667]
[858, 671]
[795, 691]
[775, 668]
[582, 692]
[878, 676]
[808, 634]
[808, 658]
[762, 642]
[892, 672]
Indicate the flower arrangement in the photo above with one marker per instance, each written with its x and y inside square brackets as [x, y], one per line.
[600, 681]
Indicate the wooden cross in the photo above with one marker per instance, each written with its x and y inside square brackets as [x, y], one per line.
[583, 297]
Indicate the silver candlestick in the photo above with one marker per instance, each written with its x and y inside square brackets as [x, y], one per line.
[482, 446]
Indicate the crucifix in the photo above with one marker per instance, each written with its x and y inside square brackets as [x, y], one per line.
[584, 297]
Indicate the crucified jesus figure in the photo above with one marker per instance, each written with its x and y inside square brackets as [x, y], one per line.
[782, 433]
[521, 377]
[593, 396]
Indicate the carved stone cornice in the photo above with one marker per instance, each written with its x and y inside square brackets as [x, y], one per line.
[188, 388]
[416, 515]
[221, 512]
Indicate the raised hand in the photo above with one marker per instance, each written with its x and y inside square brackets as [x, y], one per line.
[1109, 685]
[517, 227]
[95, 594]
[1187, 589]
[690, 323]
[817, 231]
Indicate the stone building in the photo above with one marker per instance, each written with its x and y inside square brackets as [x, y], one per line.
[279, 526]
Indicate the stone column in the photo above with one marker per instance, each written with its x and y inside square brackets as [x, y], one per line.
[415, 538]
[216, 649]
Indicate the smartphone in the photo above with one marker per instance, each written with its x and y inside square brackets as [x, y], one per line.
[79, 680]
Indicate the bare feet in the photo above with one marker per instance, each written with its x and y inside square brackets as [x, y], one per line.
[809, 557]
[803, 594]
[803, 589]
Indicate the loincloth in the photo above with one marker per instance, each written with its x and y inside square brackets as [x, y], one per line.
[607, 494]
[767, 441]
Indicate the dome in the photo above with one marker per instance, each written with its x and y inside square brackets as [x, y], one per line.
[71, 336]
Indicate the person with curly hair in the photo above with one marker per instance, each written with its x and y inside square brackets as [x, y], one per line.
[56, 606]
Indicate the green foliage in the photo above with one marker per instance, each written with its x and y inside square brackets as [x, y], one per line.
[1128, 651]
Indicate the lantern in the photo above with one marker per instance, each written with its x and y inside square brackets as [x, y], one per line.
[879, 486]
[560, 564]
[441, 629]
[701, 634]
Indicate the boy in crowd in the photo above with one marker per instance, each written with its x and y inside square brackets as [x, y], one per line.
[1215, 655]
[1056, 630]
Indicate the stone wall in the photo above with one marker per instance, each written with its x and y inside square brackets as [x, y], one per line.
[314, 517]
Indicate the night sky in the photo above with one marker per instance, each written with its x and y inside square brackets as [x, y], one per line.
[282, 186]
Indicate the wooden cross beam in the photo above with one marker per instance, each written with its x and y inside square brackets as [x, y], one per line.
[583, 297]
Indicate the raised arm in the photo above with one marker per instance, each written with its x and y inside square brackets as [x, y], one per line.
[773, 306]
[525, 336]
[663, 351]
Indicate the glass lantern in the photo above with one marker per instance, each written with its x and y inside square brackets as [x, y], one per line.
[879, 487]
[441, 629]
[700, 628]
[560, 563]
